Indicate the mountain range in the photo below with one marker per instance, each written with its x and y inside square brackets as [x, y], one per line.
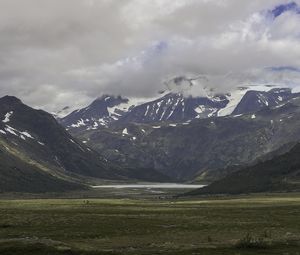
[174, 107]
[207, 139]
[191, 144]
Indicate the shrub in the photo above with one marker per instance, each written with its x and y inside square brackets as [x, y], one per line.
[250, 242]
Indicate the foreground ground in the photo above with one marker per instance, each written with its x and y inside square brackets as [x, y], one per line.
[265, 224]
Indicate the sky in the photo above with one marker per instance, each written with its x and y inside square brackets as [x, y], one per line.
[56, 53]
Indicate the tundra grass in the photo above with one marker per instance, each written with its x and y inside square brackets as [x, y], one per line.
[246, 225]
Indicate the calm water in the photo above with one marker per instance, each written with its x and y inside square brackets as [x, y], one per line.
[150, 186]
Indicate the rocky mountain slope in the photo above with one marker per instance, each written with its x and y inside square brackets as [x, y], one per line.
[103, 110]
[254, 101]
[170, 107]
[198, 147]
[175, 108]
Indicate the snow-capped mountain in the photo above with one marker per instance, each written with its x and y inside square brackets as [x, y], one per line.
[170, 107]
[175, 107]
[62, 112]
[254, 101]
[200, 147]
[102, 111]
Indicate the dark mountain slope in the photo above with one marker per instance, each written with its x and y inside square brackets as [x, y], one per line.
[17, 175]
[36, 147]
[281, 173]
[182, 151]
[38, 135]
[190, 149]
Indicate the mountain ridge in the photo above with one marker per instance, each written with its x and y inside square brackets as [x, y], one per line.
[174, 107]
[279, 174]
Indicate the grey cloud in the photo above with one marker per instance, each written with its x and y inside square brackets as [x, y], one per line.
[59, 52]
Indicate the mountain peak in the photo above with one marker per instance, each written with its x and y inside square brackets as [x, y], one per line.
[110, 100]
[10, 100]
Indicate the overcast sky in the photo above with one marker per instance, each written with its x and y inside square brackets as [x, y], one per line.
[55, 53]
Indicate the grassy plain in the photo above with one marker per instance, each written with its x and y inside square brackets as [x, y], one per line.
[254, 224]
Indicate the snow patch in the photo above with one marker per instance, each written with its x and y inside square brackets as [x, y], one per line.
[147, 110]
[11, 130]
[125, 132]
[238, 115]
[27, 134]
[214, 111]
[80, 123]
[236, 96]
[200, 109]
[7, 117]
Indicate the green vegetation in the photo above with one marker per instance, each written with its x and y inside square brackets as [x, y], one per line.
[250, 242]
[240, 225]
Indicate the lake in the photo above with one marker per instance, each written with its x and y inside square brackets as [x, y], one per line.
[150, 186]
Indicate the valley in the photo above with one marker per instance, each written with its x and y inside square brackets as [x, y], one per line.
[173, 176]
[40, 155]
[166, 127]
